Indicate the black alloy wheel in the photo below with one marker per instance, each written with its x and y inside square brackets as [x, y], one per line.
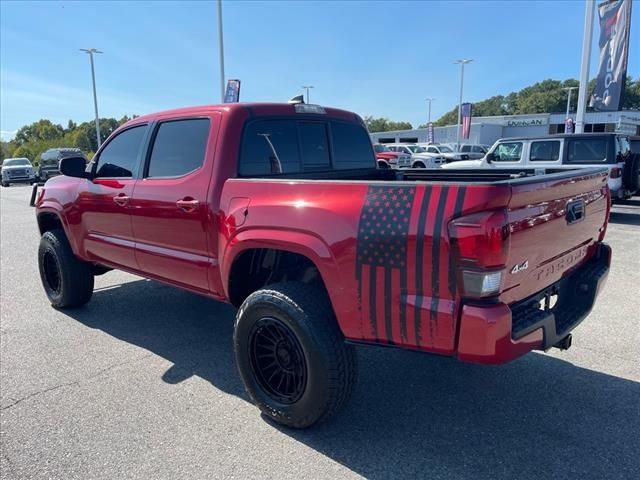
[277, 360]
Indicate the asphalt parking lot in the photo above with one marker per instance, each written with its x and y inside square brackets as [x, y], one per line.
[141, 383]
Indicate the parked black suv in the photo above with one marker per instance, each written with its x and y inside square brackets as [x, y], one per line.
[50, 160]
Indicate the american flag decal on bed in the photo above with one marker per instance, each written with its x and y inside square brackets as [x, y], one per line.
[383, 235]
[389, 266]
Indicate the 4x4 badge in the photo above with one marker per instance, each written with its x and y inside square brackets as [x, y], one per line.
[518, 268]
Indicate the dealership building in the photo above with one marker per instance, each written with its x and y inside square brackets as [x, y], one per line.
[486, 130]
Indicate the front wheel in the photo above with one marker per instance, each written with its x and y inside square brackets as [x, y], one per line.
[5, 184]
[291, 355]
[419, 165]
[67, 281]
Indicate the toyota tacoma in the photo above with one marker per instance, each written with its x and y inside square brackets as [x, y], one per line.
[279, 209]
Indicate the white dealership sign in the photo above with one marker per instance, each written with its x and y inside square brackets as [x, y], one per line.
[527, 122]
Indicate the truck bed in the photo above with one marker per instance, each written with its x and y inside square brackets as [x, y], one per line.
[521, 175]
[384, 240]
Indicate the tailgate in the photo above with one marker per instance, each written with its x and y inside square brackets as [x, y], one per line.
[555, 222]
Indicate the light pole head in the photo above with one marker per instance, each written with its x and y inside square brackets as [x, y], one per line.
[90, 51]
[463, 61]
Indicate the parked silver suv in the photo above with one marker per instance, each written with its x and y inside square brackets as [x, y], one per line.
[17, 170]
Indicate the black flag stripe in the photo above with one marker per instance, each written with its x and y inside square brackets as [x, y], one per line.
[456, 213]
[422, 220]
[435, 260]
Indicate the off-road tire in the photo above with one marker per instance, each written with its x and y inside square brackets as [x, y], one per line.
[67, 281]
[330, 363]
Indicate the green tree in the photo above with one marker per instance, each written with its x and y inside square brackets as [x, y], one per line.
[547, 96]
[385, 125]
[24, 151]
[6, 150]
[632, 94]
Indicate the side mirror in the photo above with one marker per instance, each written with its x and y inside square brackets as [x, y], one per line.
[490, 157]
[74, 167]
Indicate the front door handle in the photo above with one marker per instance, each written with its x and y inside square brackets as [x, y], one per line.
[188, 204]
[121, 199]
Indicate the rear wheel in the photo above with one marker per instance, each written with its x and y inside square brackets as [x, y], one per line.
[67, 281]
[5, 184]
[419, 165]
[291, 355]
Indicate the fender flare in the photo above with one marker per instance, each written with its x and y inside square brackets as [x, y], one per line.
[299, 242]
[308, 245]
[51, 209]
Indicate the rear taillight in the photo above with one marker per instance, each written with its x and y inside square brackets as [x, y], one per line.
[616, 172]
[480, 242]
[481, 239]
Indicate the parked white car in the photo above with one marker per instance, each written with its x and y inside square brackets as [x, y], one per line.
[474, 151]
[420, 158]
[17, 170]
[566, 151]
[445, 151]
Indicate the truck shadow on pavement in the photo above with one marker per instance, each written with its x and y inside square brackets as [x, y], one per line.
[411, 415]
[624, 218]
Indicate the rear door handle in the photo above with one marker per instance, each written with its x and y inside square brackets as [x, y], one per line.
[121, 199]
[188, 204]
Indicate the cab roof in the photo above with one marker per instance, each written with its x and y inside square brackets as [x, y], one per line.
[253, 108]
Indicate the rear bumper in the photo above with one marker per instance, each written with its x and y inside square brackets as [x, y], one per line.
[499, 333]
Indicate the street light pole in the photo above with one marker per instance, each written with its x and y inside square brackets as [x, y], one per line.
[307, 87]
[584, 66]
[430, 99]
[91, 51]
[569, 90]
[462, 63]
[221, 47]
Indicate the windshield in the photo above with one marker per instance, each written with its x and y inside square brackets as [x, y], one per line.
[381, 148]
[416, 149]
[14, 162]
[445, 149]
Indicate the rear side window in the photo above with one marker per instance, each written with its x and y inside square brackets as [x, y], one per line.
[508, 152]
[351, 146]
[119, 157]
[545, 151]
[269, 146]
[178, 148]
[314, 144]
[465, 148]
[432, 150]
[587, 150]
[478, 149]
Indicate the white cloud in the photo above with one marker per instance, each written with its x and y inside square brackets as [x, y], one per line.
[7, 135]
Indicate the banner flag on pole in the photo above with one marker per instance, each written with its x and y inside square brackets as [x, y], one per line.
[430, 133]
[568, 125]
[232, 95]
[467, 113]
[615, 23]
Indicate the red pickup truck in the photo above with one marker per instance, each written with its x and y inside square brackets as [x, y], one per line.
[280, 210]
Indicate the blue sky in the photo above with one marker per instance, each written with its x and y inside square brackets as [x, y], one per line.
[380, 58]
